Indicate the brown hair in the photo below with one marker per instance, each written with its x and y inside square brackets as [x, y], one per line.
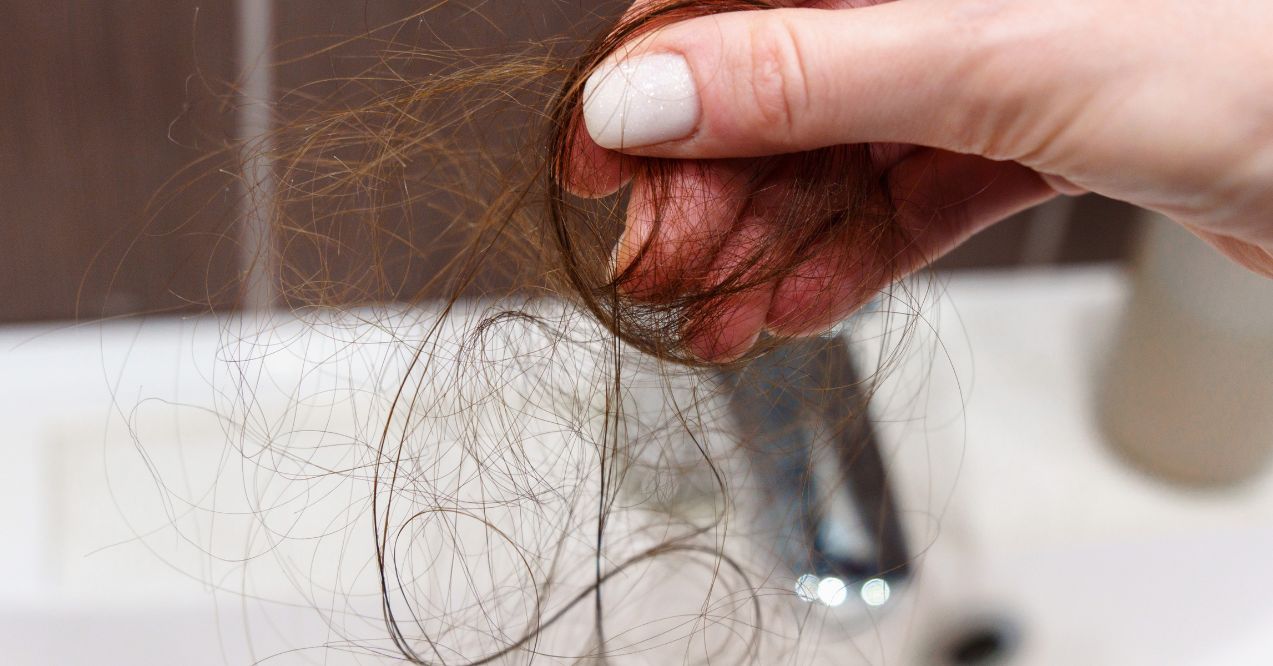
[827, 196]
[360, 158]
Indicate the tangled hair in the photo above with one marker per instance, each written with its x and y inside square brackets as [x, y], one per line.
[528, 426]
[828, 196]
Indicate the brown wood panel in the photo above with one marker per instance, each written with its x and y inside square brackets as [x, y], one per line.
[999, 246]
[98, 109]
[103, 101]
[1100, 230]
[379, 246]
[1096, 230]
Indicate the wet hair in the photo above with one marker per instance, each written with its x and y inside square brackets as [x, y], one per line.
[449, 168]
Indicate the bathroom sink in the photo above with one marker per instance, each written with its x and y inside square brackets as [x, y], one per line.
[136, 526]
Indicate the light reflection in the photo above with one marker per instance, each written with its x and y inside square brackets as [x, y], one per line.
[875, 592]
[832, 591]
[807, 587]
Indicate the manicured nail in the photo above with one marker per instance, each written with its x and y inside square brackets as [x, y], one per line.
[640, 101]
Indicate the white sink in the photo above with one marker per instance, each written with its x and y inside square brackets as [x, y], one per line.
[1018, 513]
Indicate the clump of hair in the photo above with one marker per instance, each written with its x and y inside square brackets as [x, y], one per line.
[832, 195]
[448, 167]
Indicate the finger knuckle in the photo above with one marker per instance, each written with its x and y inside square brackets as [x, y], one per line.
[778, 79]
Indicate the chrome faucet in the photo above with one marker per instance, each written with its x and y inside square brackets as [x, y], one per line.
[802, 415]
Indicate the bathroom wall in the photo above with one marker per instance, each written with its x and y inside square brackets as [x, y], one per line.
[106, 101]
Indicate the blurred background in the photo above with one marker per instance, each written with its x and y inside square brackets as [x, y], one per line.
[1067, 308]
[109, 100]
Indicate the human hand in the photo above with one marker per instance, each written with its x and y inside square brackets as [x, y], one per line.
[975, 109]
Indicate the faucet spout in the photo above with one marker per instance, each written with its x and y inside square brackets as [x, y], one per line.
[802, 415]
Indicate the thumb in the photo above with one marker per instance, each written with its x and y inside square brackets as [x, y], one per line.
[752, 83]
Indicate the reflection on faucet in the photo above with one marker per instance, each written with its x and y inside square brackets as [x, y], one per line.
[828, 507]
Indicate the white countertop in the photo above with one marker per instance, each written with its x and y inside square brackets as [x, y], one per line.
[1018, 508]
[1098, 563]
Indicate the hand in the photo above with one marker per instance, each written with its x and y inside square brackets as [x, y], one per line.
[976, 109]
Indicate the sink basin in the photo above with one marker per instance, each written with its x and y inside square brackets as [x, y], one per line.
[155, 514]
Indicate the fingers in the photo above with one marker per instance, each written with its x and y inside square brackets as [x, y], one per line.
[679, 216]
[785, 80]
[942, 199]
[595, 171]
[731, 324]
[752, 90]
[1248, 255]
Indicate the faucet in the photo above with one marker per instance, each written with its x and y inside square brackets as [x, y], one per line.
[802, 415]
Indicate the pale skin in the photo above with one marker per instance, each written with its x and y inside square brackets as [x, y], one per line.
[977, 109]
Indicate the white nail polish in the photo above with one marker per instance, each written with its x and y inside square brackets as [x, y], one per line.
[641, 101]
